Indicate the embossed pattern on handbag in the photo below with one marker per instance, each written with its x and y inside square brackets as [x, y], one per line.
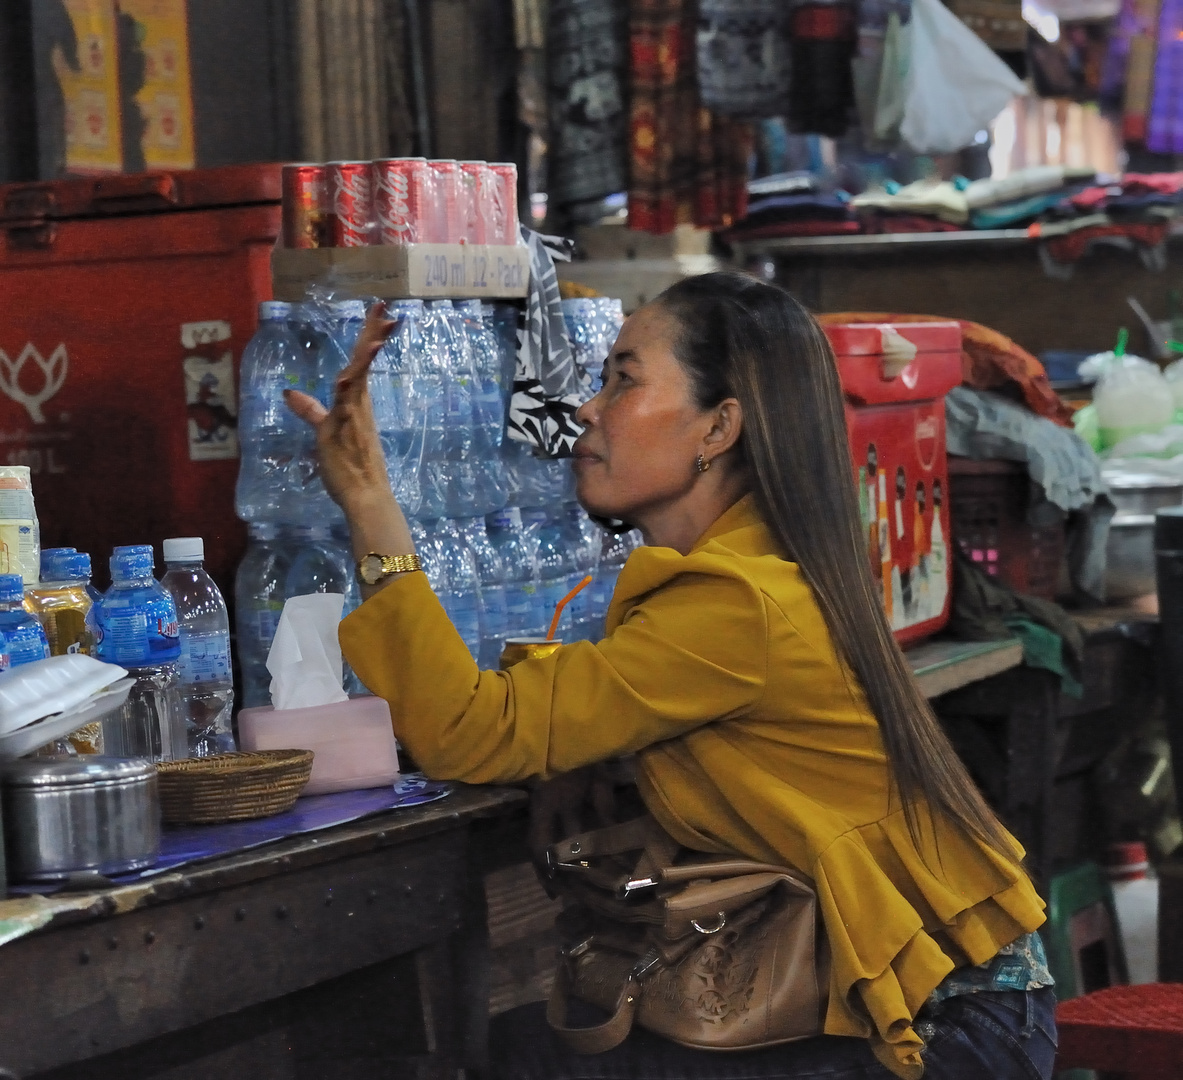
[710, 951]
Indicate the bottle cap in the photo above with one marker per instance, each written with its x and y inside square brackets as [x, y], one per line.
[12, 588]
[76, 566]
[1126, 861]
[50, 560]
[131, 562]
[273, 310]
[184, 549]
[350, 309]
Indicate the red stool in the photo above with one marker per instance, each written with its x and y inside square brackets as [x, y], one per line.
[1136, 1031]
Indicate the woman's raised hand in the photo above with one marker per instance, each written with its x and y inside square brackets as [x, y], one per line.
[352, 464]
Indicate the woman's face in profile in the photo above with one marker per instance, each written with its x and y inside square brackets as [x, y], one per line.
[643, 430]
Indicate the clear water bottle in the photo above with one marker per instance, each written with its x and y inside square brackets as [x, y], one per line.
[430, 374]
[583, 539]
[488, 409]
[396, 362]
[556, 564]
[462, 588]
[271, 436]
[138, 630]
[614, 551]
[491, 571]
[316, 565]
[342, 549]
[258, 603]
[522, 605]
[26, 636]
[206, 677]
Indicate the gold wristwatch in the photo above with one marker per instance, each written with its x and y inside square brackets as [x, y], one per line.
[373, 569]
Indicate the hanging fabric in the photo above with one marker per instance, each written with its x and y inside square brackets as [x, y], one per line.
[821, 98]
[687, 165]
[588, 66]
[545, 383]
[1164, 134]
[743, 56]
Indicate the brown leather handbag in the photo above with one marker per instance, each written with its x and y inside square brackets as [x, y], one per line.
[713, 952]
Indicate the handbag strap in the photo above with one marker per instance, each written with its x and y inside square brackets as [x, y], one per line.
[601, 1037]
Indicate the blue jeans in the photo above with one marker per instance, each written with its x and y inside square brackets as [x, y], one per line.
[987, 1036]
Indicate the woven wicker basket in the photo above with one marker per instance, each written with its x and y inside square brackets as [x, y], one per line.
[232, 787]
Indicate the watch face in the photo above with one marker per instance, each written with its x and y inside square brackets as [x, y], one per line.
[369, 569]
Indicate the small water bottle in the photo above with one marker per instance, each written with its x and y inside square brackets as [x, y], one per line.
[206, 678]
[1135, 898]
[137, 624]
[493, 591]
[271, 435]
[258, 604]
[26, 636]
[507, 538]
[462, 595]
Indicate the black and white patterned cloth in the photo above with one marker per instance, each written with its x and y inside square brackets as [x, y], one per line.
[546, 387]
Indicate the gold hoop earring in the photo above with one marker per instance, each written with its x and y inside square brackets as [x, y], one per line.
[701, 463]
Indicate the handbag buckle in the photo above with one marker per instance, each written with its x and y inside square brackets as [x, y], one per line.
[575, 951]
[631, 888]
[645, 965]
[721, 916]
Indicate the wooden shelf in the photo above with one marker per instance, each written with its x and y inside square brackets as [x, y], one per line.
[941, 666]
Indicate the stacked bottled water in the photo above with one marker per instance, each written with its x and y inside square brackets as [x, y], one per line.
[496, 526]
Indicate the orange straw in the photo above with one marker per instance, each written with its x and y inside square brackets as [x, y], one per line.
[554, 623]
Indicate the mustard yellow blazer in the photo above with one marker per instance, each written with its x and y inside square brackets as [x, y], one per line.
[719, 673]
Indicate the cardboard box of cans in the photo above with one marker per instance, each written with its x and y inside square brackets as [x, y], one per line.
[393, 272]
[400, 227]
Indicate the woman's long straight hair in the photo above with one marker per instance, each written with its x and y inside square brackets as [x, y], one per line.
[743, 338]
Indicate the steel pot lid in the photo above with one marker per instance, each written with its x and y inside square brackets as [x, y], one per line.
[85, 769]
[1141, 481]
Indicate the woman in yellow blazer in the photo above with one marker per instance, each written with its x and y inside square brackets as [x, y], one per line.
[749, 665]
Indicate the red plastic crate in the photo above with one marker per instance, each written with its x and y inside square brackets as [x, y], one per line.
[990, 526]
[895, 415]
[126, 304]
[1136, 1031]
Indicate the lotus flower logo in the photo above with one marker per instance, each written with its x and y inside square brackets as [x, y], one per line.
[53, 372]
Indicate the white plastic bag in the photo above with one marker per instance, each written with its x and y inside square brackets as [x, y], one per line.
[956, 85]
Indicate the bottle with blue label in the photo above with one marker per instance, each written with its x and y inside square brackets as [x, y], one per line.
[206, 677]
[493, 591]
[63, 603]
[26, 636]
[137, 626]
[462, 591]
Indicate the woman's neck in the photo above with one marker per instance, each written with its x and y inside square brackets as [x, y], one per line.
[680, 524]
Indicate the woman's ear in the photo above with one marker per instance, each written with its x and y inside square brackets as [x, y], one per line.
[726, 427]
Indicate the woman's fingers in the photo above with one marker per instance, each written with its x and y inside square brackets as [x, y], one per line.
[377, 327]
[307, 408]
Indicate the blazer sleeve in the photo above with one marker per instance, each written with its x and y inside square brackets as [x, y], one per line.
[685, 654]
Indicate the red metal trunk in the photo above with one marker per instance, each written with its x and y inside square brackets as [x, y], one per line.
[125, 303]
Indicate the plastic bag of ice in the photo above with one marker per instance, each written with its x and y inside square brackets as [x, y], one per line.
[1132, 401]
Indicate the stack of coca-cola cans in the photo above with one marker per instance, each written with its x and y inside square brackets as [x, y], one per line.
[399, 201]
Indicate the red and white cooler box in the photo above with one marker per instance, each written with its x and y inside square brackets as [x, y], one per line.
[895, 377]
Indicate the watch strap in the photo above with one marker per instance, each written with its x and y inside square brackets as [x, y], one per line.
[399, 564]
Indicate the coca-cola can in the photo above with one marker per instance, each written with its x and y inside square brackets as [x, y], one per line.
[402, 200]
[349, 203]
[447, 229]
[303, 192]
[475, 210]
[505, 203]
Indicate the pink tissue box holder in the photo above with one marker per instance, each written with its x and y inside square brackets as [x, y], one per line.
[352, 741]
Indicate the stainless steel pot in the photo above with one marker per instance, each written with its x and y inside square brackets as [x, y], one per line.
[68, 815]
[1143, 493]
[1129, 569]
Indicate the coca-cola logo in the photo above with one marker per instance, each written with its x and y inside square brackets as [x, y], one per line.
[394, 210]
[352, 191]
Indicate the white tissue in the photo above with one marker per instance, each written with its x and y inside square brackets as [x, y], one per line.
[305, 657]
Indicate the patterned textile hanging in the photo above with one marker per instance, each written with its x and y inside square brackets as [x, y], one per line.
[546, 390]
[1164, 134]
[687, 164]
[587, 57]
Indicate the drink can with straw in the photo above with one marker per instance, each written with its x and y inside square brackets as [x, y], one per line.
[526, 648]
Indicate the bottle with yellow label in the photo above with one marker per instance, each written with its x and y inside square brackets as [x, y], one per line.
[63, 603]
